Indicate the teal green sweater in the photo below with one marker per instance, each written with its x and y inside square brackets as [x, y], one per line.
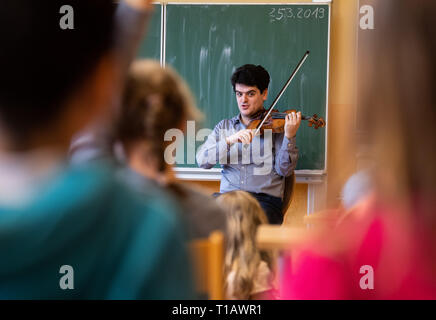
[119, 245]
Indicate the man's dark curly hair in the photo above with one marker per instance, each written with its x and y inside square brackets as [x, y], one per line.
[251, 75]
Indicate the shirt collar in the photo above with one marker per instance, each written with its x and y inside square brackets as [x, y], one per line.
[237, 118]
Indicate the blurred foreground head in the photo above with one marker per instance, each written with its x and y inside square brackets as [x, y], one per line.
[399, 101]
[53, 81]
[155, 100]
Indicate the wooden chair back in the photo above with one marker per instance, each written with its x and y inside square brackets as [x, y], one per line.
[208, 262]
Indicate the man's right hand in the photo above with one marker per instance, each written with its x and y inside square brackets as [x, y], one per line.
[245, 136]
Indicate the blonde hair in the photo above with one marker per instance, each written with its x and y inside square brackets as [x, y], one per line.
[244, 216]
[155, 100]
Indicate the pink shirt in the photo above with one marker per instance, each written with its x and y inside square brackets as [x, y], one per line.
[374, 242]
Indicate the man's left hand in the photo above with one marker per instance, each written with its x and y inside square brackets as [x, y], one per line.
[292, 124]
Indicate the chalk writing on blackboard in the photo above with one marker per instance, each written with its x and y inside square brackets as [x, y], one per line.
[283, 14]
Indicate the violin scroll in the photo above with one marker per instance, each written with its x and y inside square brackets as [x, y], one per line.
[316, 122]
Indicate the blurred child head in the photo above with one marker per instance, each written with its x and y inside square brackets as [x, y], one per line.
[53, 81]
[156, 99]
[244, 216]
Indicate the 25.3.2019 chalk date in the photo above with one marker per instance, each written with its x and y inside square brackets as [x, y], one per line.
[282, 14]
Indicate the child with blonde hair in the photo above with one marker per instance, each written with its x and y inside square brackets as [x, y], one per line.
[249, 272]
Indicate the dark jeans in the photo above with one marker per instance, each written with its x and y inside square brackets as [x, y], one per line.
[271, 205]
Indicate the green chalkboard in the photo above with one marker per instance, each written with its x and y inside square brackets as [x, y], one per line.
[206, 43]
[150, 46]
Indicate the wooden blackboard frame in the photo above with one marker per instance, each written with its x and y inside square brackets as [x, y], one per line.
[214, 174]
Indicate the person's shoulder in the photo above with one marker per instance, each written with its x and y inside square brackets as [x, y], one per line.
[201, 210]
[194, 194]
[139, 184]
[193, 190]
[99, 184]
[148, 202]
[199, 196]
[227, 123]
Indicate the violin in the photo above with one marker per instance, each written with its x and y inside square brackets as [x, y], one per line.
[275, 120]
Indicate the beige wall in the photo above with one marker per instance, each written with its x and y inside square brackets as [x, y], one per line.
[342, 94]
[340, 156]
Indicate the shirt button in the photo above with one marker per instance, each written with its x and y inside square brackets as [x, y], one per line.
[242, 182]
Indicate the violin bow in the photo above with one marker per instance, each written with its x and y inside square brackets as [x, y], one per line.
[282, 91]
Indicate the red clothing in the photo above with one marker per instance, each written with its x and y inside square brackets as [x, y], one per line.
[386, 240]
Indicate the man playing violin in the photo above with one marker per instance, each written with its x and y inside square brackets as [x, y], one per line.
[230, 141]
